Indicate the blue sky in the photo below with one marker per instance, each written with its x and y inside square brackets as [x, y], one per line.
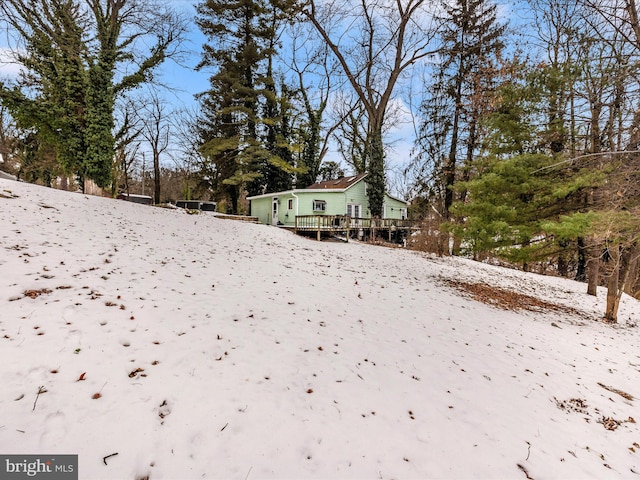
[183, 78]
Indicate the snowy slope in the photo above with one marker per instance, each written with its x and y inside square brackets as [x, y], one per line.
[228, 350]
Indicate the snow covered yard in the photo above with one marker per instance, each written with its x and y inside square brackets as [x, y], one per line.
[160, 345]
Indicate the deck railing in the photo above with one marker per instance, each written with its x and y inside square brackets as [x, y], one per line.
[343, 223]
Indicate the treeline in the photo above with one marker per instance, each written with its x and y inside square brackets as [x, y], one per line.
[528, 152]
[289, 75]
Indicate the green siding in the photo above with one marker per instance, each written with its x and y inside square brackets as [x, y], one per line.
[261, 208]
[394, 208]
[357, 195]
[286, 215]
[336, 204]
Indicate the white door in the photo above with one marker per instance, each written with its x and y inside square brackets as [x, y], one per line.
[353, 211]
[274, 212]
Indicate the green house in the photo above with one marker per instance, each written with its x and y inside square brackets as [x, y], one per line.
[343, 196]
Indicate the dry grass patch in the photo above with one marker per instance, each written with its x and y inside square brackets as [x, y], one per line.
[508, 299]
[615, 390]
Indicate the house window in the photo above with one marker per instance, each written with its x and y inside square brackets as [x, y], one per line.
[290, 204]
[353, 210]
[319, 206]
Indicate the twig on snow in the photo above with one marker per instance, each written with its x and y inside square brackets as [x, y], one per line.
[250, 468]
[524, 470]
[104, 459]
[41, 389]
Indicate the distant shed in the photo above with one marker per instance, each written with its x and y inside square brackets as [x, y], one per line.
[208, 206]
[197, 205]
[131, 197]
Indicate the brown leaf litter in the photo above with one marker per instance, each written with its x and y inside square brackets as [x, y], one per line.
[507, 299]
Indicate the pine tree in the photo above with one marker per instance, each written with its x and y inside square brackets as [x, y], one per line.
[309, 133]
[245, 140]
[520, 206]
[472, 40]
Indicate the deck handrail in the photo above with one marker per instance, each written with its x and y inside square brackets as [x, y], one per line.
[345, 223]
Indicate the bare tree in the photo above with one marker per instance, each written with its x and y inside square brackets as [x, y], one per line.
[315, 102]
[375, 43]
[156, 130]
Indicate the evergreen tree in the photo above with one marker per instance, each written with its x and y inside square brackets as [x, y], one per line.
[309, 161]
[472, 41]
[519, 193]
[246, 123]
[329, 171]
[309, 132]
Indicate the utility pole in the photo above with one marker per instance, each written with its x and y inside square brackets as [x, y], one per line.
[144, 163]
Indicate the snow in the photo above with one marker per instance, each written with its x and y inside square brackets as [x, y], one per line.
[224, 349]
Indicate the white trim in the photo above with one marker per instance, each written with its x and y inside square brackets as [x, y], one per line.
[299, 191]
[275, 209]
[396, 198]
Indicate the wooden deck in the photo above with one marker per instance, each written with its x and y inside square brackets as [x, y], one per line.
[360, 227]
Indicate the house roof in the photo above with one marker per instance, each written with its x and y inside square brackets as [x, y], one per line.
[337, 184]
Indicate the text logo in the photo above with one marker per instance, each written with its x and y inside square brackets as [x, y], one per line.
[39, 467]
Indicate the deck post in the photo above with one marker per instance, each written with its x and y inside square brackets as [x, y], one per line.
[348, 220]
[319, 231]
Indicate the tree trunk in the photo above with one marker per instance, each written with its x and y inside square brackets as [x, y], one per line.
[581, 271]
[234, 197]
[613, 280]
[622, 265]
[593, 270]
[450, 166]
[156, 177]
[631, 273]
[563, 265]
